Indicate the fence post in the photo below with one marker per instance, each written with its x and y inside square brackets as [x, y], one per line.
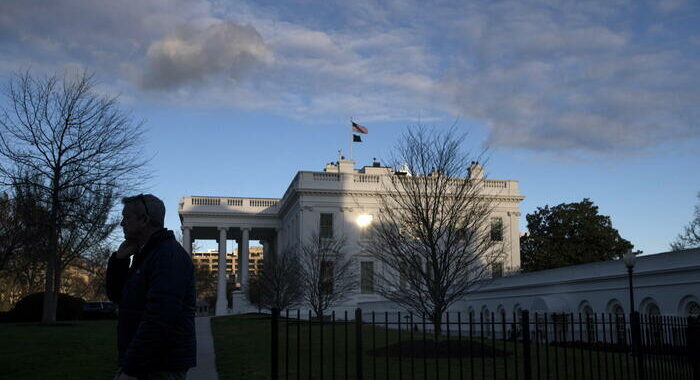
[693, 341]
[637, 344]
[274, 349]
[358, 344]
[525, 328]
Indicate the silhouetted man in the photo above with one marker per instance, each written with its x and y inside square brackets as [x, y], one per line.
[156, 295]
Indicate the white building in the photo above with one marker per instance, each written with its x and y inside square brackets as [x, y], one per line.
[664, 284]
[331, 201]
[337, 197]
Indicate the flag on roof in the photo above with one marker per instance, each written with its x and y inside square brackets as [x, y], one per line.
[358, 128]
[356, 138]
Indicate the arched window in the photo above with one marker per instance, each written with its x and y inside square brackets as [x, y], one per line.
[518, 310]
[618, 313]
[689, 307]
[651, 321]
[485, 320]
[653, 309]
[501, 312]
[586, 314]
[585, 308]
[470, 313]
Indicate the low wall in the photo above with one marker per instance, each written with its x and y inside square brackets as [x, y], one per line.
[666, 283]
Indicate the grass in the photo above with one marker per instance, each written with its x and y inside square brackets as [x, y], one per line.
[242, 345]
[66, 350]
[243, 352]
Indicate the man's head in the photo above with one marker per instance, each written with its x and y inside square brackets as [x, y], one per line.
[142, 215]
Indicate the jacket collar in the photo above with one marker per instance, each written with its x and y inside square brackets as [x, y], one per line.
[154, 239]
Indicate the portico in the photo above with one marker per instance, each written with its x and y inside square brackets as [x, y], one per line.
[223, 219]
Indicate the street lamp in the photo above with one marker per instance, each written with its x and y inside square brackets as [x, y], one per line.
[630, 259]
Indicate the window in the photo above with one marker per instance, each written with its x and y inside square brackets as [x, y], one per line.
[326, 226]
[327, 277]
[367, 277]
[497, 269]
[365, 233]
[496, 229]
[620, 329]
[403, 274]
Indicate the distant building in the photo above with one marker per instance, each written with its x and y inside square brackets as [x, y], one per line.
[329, 202]
[210, 260]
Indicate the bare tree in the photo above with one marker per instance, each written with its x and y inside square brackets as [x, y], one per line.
[22, 243]
[690, 237]
[10, 230]
[327, 274]
[279, 285]
[82, 152]
[205, 283]
[433, 235]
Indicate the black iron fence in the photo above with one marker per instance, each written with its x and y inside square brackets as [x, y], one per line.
[395, 345]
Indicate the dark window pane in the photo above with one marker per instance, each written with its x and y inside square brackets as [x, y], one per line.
[496, 229]
[326, 226]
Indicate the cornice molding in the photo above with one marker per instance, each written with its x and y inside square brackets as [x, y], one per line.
[374, 194]
[494, 288]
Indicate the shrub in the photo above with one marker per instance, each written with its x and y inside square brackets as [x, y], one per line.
[29, 308]
[5, 316]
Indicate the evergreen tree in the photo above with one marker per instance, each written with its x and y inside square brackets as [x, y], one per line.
[569, 234]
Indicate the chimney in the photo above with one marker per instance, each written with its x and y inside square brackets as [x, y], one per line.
[475, 170]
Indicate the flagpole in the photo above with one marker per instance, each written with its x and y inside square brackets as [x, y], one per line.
[350, 139]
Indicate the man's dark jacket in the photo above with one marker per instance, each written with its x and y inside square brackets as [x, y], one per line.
[156, 298]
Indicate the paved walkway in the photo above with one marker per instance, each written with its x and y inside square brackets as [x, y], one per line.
[206, 358]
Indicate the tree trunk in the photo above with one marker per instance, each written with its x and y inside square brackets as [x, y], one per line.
[50, 290]
[437, 325]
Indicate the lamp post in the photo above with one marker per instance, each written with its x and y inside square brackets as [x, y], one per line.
[630, 259]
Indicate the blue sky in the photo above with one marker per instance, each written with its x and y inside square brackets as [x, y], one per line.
[595, 99]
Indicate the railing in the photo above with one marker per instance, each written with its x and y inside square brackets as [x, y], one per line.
[253, 203]
[234, 202]
[326, 177]
[365, 178]
[262, 203]
[206, 201]
[495, 183]
[485, 346]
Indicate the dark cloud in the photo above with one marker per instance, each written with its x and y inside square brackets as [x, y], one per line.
[191, 54]
[554, 75]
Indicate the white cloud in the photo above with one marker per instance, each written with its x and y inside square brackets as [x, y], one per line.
[540, 74]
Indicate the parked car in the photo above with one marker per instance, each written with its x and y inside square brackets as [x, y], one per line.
[99, 310]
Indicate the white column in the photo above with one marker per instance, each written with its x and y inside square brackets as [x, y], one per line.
[239, 271]
[265, 251]
[244, 257]
[278, 242]
[187, 239]
[221, 302]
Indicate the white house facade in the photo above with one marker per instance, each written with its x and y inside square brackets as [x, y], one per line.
[340, 200]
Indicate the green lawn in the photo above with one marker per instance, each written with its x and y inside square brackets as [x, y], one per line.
[242, 345]
[243, 352]
[68, 350]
